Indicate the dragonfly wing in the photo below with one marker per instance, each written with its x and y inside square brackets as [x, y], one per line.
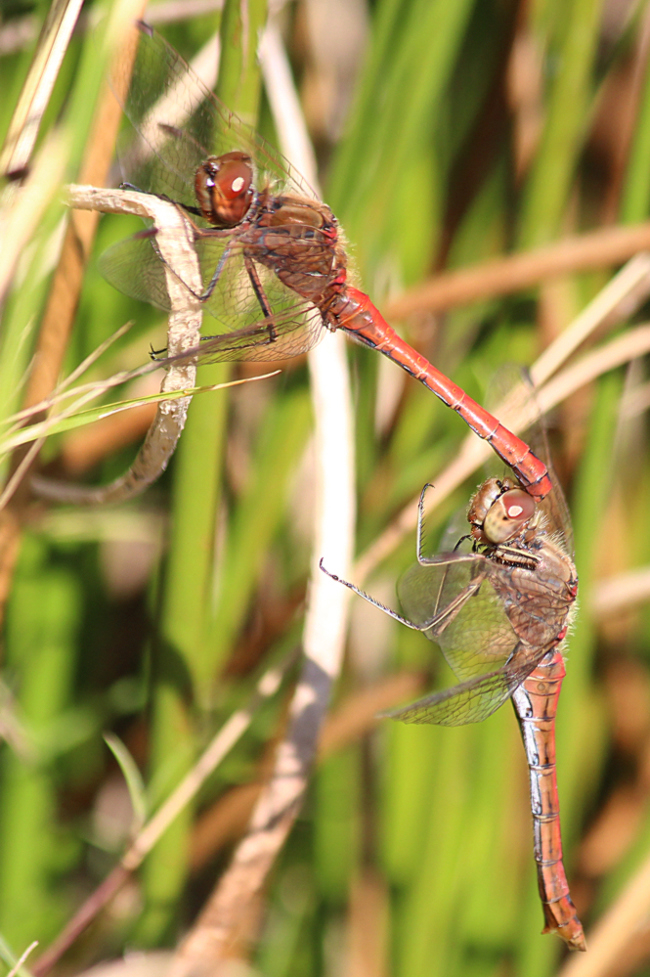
[474, 700]
[469, 621]
[279, 338]
[249, 283]
[425, 590]
[180, 122]
[117, 265]
[238, 302]
[258, 316]
[470, 702]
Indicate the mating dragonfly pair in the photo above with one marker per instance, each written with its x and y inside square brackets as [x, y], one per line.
[275, 277]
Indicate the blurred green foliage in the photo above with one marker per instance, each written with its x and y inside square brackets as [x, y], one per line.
[433, 823]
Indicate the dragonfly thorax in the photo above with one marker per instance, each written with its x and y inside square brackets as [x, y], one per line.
[224, 188]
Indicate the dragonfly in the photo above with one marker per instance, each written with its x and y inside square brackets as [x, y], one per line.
[499, 606]
[272, 256]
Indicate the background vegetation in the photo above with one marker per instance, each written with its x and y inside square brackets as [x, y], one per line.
[448, 134]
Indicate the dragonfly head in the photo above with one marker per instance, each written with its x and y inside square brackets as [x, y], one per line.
[499, 511]
[224, 188]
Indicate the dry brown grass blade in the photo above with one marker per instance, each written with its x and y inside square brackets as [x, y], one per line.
[356, 717]
[503, 276]
[77, 244]
[17, 226]
[620, 593]
[64, 295]
[151, 832]
[20, 217]
[28, 114]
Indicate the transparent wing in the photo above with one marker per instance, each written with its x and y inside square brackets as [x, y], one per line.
[140, 251]
[474, 700]
[469, 621]
[135, 267]
[279, 338]
[179, 123]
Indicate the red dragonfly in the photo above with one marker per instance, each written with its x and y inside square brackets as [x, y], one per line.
[500, 613]
[272, 258]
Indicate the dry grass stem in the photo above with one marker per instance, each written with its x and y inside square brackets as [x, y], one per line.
[353, 719]
[22, 958]
[620, 593]
[225, 919]
[21, 216]
[37, 89]
[617, 301]
[503, 276]
[625, 348]
[151, 832]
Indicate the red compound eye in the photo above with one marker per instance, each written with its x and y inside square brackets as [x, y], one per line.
[508, 515]
[224, 188]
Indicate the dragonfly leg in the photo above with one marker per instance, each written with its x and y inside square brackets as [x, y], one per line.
[212, 284]
[261, 297]
[428, 560]
[422, 559]
[443, 618]
[436, 623]
[375, 602]
[194, 211]
[256, 285]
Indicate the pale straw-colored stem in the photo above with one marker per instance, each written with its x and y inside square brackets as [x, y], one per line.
[225, 918]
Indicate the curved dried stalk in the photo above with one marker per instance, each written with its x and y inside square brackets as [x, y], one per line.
[174, 240]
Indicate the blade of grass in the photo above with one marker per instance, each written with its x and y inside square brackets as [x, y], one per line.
[568, 106]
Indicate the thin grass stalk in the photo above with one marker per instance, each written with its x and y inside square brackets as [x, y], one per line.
[151, 831]
[391, 125]
[601, 248]
[225, 924]
[66, 285]
[635, 193]
[595, 479]
[20, 319]
[35, 96]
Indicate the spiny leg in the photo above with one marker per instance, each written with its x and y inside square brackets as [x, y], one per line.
[437, 621]
[261, 297]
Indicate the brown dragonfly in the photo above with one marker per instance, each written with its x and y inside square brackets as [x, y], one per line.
[500, 613]
[272, 257]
